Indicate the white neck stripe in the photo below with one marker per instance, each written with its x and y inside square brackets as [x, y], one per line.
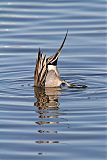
[51, 67]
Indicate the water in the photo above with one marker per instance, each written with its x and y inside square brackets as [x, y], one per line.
[58, 124]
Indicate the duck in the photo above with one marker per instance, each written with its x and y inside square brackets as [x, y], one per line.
[46, 72]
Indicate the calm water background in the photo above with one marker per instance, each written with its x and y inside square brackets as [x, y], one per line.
[72, 125]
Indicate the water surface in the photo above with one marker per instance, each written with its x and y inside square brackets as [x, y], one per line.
[56, 124]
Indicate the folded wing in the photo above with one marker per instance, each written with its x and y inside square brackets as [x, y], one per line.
[40, 70]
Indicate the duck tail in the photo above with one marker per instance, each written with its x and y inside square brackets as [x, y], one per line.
[53, 59]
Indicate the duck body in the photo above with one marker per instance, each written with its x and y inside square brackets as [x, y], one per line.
[53, 77]
[46, 72]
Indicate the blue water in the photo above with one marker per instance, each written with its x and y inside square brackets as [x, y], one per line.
[58, 124]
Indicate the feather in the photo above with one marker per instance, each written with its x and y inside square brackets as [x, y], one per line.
[40, 70]
[54, 58]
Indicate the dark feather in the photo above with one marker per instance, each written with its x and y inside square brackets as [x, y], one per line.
[40, 70]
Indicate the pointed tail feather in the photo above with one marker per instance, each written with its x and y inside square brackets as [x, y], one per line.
[54, 58]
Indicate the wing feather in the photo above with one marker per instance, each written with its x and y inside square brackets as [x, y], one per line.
[40, 70]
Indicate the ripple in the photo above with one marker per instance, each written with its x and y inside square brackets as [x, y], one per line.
[53, 124]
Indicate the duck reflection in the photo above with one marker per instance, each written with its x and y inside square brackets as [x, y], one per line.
[47, 108]
[47, 98]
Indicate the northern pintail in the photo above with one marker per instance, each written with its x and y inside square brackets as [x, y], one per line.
[46, 72]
